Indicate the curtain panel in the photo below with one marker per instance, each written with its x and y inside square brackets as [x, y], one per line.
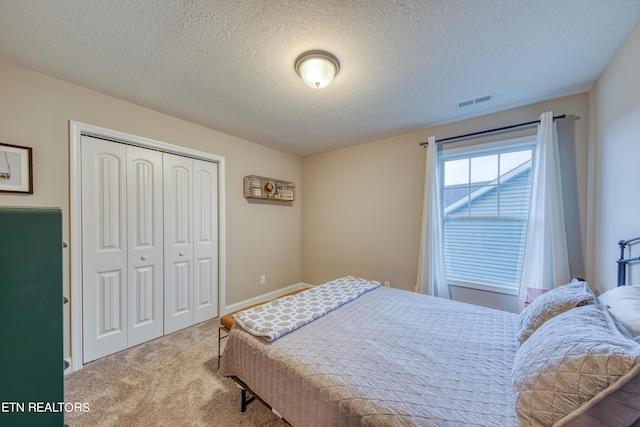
[546, 260]
[432, 278]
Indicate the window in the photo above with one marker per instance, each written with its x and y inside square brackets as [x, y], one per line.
[486, 194]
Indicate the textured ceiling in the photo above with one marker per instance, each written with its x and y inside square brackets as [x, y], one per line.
[228, 65]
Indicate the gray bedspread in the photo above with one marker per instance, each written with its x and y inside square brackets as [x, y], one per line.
[388, 358]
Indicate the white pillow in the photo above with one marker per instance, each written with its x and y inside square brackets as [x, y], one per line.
[624, 304]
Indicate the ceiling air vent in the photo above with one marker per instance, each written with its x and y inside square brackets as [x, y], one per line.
[473, 101]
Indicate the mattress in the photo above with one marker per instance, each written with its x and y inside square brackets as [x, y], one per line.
[387, 358]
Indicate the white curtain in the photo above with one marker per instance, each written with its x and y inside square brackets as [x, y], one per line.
[432, 278]
[546, 262]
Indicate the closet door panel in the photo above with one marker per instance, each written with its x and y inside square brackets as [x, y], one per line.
[178, 242]
[145, 249]
[104, 242]
[205, 240]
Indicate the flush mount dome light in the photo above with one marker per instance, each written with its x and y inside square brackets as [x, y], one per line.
[317, 68]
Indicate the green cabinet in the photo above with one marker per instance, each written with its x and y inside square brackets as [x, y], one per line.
[31, 353]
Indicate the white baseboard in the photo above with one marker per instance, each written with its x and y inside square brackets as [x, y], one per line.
[264, 297]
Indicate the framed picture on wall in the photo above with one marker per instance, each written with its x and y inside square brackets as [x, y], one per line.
[16, 172]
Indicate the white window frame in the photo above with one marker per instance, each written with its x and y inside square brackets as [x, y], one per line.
[503, 146]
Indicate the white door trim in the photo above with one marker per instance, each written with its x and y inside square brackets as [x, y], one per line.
[76, 130]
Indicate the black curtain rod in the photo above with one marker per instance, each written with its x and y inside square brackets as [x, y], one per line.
[490, 130]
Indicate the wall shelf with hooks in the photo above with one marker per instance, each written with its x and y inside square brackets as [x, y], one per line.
[260, 187]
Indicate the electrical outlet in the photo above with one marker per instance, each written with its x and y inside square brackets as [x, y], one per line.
[263, 279]
[387, 284]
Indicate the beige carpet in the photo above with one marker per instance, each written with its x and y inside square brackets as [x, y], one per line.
[170, 381]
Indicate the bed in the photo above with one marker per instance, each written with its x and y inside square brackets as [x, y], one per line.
[390, 357]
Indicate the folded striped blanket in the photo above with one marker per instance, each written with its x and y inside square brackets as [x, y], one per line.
[283, 315]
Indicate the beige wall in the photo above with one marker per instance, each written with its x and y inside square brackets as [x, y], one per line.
[35, 111]
[615, 163]
[362, 205]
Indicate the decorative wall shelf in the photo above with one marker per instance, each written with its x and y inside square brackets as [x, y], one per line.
[259, 187]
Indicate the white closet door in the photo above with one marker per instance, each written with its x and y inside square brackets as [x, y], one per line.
[205, 237]
[178, 242]
[104, 243]
[145, 248]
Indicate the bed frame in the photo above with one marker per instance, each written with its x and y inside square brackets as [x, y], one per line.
[623, 262]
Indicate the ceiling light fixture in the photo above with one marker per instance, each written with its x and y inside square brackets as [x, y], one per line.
[317, 68]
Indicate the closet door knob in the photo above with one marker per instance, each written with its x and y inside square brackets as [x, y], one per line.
[181, 253]
[143, 257]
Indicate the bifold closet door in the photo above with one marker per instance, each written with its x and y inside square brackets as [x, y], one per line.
[205, 237]
[121, 246]
[104, 248]
[178, 242]
[190, 242]
[145, 245]
[149, 244]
